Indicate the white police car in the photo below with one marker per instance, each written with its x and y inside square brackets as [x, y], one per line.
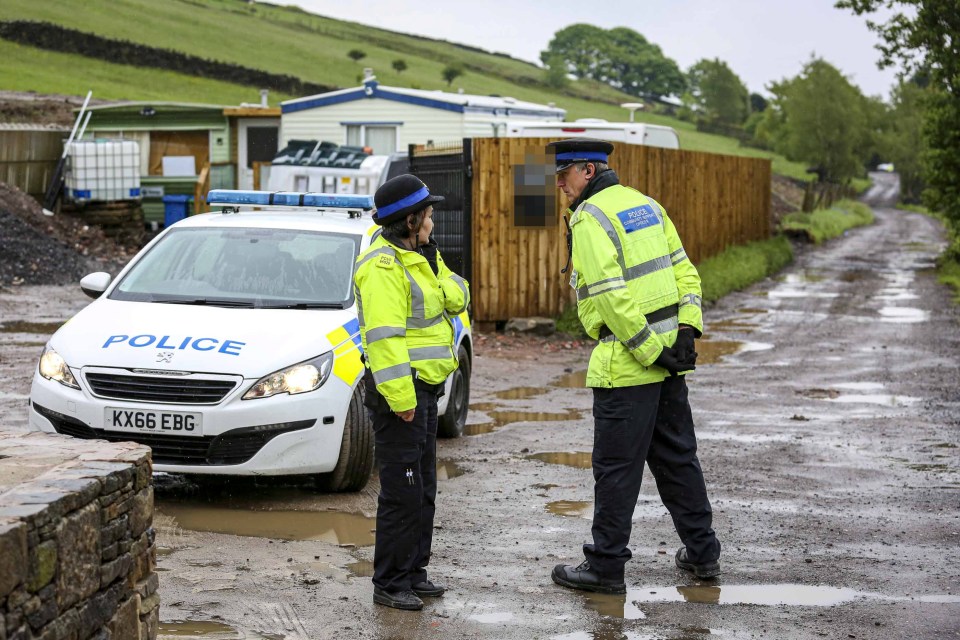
[230, 345]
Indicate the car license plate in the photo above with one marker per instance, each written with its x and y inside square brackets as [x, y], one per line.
[172, 422]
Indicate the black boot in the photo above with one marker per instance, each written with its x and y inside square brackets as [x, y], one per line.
[406, 600]
[587, 579]
[705, 570]
[428, 589]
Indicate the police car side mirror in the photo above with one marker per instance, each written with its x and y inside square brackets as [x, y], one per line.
[94, 284]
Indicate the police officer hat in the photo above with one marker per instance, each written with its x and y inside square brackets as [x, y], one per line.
[575, 150]
[399, 197]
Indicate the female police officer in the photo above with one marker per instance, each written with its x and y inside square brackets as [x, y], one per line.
[405, 296]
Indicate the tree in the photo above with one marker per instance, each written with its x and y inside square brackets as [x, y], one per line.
[718, 92]
[356, 55]
[903, 144]
[923, 36]
[620, 57]
[758, 103]
[556, 75]
[823, 120]
[399, 65]
[451, 72]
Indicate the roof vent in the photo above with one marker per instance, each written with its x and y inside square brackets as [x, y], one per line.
[367, 73]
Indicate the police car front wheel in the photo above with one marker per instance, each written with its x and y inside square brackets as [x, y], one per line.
[356, 451]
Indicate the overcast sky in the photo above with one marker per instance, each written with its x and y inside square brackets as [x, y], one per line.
[761, 40]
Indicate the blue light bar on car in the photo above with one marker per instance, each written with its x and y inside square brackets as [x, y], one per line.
[289, 199]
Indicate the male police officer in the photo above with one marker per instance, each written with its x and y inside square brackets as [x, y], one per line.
[638, 294]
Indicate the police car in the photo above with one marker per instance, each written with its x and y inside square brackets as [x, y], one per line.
[230, 345]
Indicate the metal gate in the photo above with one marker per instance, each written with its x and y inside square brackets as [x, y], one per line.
[447, 171]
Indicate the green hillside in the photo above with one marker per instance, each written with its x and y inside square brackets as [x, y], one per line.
[290, 41]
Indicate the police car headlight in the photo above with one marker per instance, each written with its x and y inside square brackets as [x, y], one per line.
[53, 367]
[300, 378]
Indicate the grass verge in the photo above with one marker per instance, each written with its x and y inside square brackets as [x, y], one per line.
[824, 224]
[948, 263]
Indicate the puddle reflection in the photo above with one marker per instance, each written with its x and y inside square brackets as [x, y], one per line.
[799, 595]
[882, 399]
[448, 469]
[578, 459]
[571, 508]
[503, 418]
[614, 606]
[903, 314]
[573, 380]
[324, 526]
[198, 629]
[520, 393]
[361, 568]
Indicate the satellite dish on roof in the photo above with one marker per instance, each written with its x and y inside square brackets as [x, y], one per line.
[633, 107]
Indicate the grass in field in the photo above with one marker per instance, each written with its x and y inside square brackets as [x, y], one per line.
[51, 72]
[287, 40]
[824, 224]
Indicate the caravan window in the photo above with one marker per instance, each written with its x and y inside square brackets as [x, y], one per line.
[382, 138]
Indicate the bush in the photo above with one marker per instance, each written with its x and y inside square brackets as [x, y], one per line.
[742, 265]
[824, 224]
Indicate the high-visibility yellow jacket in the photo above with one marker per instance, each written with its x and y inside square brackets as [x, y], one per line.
[404, 311]
[632, 277]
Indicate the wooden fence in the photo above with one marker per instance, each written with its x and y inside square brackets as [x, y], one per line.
[714, 200]
[29, 156]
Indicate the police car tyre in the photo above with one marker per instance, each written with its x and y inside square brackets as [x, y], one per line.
[356, 451]
[453, 420]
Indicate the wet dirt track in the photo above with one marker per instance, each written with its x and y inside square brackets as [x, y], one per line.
[827, 418]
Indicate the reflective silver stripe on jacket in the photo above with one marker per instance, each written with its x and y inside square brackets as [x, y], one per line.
[638, 339]
[692, 298]
[608, 227]
[430, 353]
[381, 333]
[377, 252]
[665, 326]
[648, 267]
[356, 294]
[423, 323]
[463, 287]
[636, 271]
[678, 256]
[595, 289]
[392, 373]
[416, 296]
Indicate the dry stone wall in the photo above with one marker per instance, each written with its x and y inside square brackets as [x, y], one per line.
[77, 554]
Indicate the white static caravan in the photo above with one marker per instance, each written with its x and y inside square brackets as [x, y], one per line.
[387, 119]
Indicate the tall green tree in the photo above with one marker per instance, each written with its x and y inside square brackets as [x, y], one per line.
[620, 57]
[399, 65]
[823, 120]
[903, 143]
[556, 74]
[718, 92]
[924, 36]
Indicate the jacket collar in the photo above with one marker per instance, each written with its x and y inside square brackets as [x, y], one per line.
[600, 182]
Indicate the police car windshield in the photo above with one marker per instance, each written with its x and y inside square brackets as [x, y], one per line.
[231, 267]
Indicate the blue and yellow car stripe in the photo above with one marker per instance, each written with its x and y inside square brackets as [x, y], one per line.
[347, 364]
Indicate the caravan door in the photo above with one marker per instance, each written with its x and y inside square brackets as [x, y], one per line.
[257, 140]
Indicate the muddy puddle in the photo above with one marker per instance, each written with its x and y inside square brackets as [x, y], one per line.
[571, 508]
[448, 469]
[361, 568]
[578, 459]
[520, 393]
[200, 629]
[34, 328]
[503, 418]
[740, 326]
[803, 277]
[713, 351]
[333, 527]
[572, 380]
[882, 399]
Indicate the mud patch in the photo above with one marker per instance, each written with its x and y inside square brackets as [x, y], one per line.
[198, 629]
[34, 328]
[711, 351]
[495, 617]
[819, 394]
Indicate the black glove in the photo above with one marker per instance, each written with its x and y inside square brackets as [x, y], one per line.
[669, 361]
[429, 251]
[684, 346]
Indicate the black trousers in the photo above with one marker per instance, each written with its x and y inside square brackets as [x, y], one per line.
[407, 461]
[651, 423]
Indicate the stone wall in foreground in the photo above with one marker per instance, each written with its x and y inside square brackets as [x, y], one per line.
[77, 555]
